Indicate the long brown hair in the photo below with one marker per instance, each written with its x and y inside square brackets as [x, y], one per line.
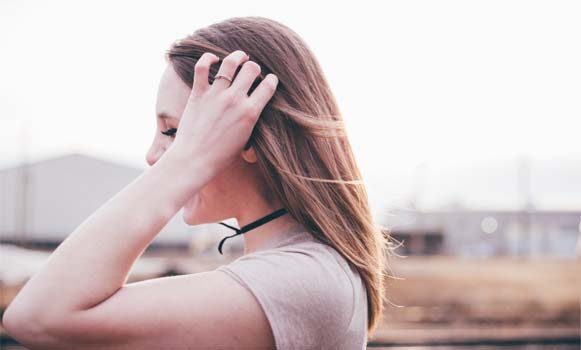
[301, 144]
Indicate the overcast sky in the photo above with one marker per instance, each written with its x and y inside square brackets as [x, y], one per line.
[426, 87]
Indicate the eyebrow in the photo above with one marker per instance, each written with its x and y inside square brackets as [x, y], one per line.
[164, 115]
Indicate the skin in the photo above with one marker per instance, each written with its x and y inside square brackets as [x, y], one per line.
[238, 191]
[79, 299]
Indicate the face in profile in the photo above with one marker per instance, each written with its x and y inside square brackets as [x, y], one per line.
[220, 198]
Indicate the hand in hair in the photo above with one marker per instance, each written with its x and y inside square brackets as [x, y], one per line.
[218, 119]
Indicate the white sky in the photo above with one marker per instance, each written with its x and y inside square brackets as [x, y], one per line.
[440, 83]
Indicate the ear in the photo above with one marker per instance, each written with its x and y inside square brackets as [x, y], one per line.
[249, 155]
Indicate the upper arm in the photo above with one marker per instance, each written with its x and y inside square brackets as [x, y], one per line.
[205, 310]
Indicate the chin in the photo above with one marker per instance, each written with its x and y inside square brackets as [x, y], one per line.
[196, 211]
[190, 212]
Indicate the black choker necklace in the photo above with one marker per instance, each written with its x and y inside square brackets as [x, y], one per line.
[251, 225]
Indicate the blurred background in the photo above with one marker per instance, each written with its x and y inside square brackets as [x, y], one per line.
[464, 117]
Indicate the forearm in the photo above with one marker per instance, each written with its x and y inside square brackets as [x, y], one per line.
[95, 260]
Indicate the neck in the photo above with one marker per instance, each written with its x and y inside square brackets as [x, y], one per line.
[257, 237]
[256, 203]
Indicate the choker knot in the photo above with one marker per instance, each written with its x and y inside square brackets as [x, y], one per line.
[251, 225]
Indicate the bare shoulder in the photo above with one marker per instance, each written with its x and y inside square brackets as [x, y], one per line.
[206, 310]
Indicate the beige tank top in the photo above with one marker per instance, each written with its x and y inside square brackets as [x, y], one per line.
[313, 298]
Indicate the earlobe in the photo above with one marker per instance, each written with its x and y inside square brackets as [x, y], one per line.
[249, 155]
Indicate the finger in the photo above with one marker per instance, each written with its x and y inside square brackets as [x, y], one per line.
[264, 91]
[201, 71]
[228, 69]
[244, 79]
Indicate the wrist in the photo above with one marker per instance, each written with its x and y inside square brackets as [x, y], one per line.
[185, 175]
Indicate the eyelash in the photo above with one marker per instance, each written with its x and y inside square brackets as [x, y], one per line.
[170, 132]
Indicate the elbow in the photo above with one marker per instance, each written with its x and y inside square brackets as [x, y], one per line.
[14, 319]
[27, 329]
[17, 324]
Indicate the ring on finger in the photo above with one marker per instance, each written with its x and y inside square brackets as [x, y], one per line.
[223, 77]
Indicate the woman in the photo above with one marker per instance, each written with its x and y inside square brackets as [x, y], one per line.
[247, 128]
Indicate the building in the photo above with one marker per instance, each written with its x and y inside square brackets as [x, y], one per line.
[487, 233]
[42, 202]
